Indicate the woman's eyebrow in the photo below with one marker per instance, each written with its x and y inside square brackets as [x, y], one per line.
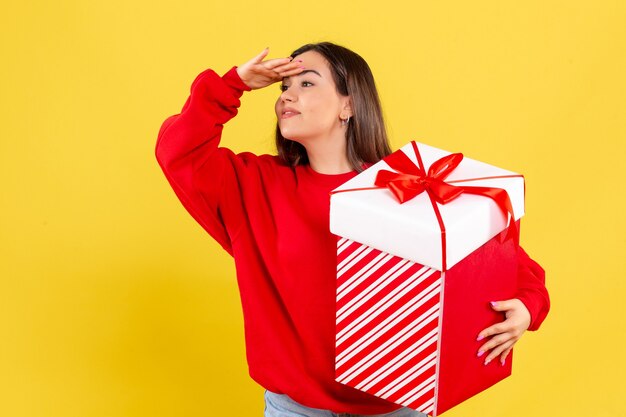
[304, 72]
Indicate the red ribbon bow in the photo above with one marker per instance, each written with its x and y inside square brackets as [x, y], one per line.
[411, 181]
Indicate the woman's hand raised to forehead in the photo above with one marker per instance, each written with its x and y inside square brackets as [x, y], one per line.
[257, 73]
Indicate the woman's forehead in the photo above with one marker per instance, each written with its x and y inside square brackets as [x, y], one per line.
[315, 61]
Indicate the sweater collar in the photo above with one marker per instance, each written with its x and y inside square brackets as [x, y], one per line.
[331, 179]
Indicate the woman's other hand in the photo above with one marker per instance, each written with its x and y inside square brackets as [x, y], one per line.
[257, 73]
[502, 336]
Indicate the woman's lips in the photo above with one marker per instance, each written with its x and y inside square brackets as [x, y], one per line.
[288, 114]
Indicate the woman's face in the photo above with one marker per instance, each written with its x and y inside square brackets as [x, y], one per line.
[310, 107]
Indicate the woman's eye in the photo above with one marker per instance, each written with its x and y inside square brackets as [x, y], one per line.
[284, 87]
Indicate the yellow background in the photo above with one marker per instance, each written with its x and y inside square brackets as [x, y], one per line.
[114, 302]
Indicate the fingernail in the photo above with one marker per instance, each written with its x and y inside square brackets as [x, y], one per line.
[487, 361]
[493, 304]
[480, 353]
[479, 338]
[301, 67]
[502, 362]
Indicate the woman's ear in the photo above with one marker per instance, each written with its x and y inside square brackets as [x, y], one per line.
[346, 109]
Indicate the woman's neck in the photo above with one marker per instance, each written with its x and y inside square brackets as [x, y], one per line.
[328, 157]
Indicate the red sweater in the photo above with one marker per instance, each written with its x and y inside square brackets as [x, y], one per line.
[273, 219]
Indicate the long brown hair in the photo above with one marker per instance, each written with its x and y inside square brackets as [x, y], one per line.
[366, 134]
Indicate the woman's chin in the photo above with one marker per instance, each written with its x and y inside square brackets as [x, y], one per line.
[290, 135]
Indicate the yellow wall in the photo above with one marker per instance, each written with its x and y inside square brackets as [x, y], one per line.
[113, 302]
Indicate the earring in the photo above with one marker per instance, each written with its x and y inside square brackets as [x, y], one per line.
[345, 121]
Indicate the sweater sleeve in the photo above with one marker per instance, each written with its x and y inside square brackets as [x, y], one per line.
[531, 289]
[198, 170]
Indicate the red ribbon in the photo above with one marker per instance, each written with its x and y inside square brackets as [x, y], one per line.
[410, 180]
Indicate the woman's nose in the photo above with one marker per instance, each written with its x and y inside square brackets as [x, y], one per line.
[288, 95]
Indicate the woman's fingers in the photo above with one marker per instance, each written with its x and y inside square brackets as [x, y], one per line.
[272, 64]
[506, 333]
[289, 71]
[504, 354]
[498, 350]
[517, 319]
[257, 73]
[276, 67]
[259, 58]
[495, 329]
[494, 342]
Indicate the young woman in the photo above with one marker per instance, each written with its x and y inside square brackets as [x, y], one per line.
[270, 212]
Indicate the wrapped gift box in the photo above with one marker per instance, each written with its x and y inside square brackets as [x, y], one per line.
[416, 272]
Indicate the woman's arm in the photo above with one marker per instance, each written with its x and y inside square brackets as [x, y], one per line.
[525, 312]
[532, 289]
[205, 176]
[188, 143]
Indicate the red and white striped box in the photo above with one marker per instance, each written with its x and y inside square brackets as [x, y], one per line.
[411, 299]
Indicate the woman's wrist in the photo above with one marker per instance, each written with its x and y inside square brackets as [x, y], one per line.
[234, 80]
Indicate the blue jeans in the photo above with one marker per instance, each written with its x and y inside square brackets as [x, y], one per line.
[280, 405]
